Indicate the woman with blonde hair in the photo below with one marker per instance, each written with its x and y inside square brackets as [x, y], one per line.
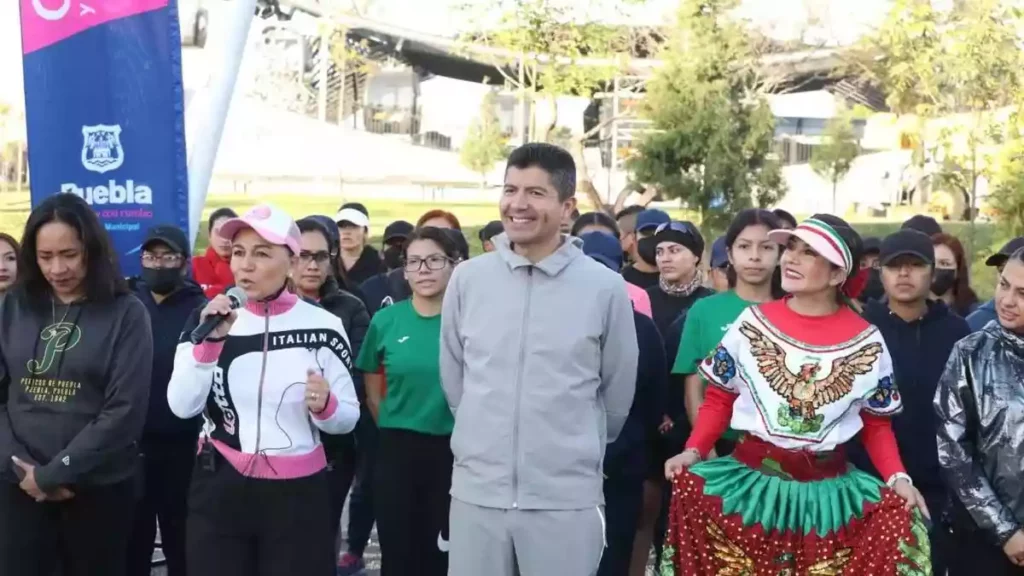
[271, 377]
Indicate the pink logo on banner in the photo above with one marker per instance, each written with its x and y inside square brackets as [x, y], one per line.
[46, 22]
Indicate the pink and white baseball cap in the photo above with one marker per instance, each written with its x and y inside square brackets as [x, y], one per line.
[271, 223]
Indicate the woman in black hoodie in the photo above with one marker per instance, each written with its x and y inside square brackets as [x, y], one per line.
[316, 279]
[75, 360]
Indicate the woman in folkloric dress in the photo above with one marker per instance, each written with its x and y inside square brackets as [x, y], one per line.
[800, 377]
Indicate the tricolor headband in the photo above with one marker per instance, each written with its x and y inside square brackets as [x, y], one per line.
[822, 238]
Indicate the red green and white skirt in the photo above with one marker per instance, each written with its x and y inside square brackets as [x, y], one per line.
[766, 511]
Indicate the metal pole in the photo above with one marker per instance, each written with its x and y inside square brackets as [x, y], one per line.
[325, 63]
[613, 160]
[20, 174]
[524, 135]
[343, 74]
[208, 110]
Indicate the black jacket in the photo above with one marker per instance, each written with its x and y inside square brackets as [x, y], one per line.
[168, 320]
[74, 389]
[919, 351]
[627, 456]
[384, 290]
[666, 308]
[367, 266]
[980, 406]
[669, 314]
[356, 321]
[354, 318]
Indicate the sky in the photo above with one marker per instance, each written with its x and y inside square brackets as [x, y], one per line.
[838, 20]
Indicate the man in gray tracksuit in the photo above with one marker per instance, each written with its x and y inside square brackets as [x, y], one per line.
[538, 362]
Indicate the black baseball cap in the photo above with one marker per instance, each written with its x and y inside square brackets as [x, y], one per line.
[398, 230]
[872, 245]
[172, 236]
[922, 223]
[491, 229]
[604, 248]
[719, 253]
[460, 241]
[1000, 258]
[906, 242]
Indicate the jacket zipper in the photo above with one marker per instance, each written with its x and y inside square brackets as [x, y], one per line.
[263, 373]
[519, 389]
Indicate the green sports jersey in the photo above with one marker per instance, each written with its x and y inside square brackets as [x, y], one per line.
[407, 345]
[706, 323]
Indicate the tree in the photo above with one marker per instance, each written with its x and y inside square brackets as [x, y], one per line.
[485, 143]
[713, 131]
[1007, 198]
[549, 48]
[963, 63]
[840, 146]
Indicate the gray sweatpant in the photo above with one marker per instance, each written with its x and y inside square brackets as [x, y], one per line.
[499, 542]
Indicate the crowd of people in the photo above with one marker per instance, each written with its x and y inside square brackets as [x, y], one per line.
[792, 398]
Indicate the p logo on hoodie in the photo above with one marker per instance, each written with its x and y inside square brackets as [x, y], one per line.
[56, 339]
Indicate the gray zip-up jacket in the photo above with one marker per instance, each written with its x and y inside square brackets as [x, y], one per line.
[538, 362]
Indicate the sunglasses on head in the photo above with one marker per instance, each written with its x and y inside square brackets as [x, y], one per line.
[674, 225]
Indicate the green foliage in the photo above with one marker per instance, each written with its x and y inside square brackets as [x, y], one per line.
[545, 43]
[552, 36]
[485, 143]
[713, 130]
[932, 62]
[964, 60]
[840, 146]
[1007, 197]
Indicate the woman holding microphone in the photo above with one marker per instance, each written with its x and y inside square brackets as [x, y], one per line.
[271, 377]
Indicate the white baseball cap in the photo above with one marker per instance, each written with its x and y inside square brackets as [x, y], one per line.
[354, 216]
[272, 224]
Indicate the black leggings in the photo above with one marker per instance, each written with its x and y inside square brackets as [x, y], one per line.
[239, 526]
[414, 477]
[84, 536]
[167, 472]
[341, 470]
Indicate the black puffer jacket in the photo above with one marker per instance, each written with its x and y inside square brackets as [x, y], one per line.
[981, 431]
[354, 318]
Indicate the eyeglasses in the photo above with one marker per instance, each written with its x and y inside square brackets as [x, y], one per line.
[435, 263]
[318, 257]
[165, 260]
[674, 225]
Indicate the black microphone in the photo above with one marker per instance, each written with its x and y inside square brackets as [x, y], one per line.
[202, 332]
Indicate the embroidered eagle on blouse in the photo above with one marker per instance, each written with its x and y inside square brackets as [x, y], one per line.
[803, 390]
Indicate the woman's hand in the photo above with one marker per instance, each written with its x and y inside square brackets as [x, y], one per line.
[28, 483]
[1014, 548]
[680, 462]
[906, 490]
[219, 306]
[317, 392]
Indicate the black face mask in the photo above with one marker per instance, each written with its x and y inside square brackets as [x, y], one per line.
[162, 281]
[392, 257]
[647, 249]
[943, 281]
[873, 290]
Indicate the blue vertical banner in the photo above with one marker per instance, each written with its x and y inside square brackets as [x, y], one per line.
[105, 112]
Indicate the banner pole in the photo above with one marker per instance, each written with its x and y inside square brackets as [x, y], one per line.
[208, 109]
